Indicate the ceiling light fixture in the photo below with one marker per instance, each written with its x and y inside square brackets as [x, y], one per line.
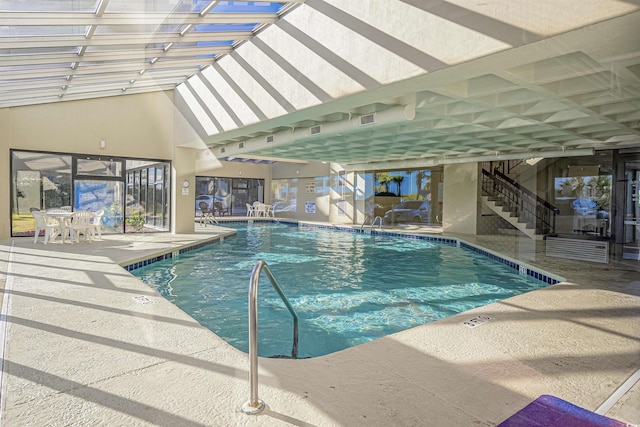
[154, 60]
[142, 72]
[532, 161]
[167, 47]
[74, 65]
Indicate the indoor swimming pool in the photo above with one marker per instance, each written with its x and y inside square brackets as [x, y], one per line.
[347, 288]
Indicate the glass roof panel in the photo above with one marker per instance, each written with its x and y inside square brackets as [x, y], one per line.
[216, 28]
[217, 43]
[135, 29]
[41, 30]
[38, 50]
[166, 6]
[245, 7]
[23, 68]
[48, 5]
[126, 40]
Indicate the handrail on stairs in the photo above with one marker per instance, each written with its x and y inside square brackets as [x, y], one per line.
[255, 405]
[529, 207]
[526, 191]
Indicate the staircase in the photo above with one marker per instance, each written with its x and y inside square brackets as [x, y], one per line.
[532, 215]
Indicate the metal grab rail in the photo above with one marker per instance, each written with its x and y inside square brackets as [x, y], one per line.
[373, 223]
[255, 405]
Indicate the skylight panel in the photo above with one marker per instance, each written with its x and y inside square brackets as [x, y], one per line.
[41, 30]
[246, 7]
[215, 28]
[48, 6]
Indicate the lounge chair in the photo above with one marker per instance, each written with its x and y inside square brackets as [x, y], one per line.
[220, 209]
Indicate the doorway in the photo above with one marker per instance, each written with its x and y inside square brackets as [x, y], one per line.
[630, 205]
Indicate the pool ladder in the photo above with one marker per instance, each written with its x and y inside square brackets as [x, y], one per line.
[255, 405]
[373, 223]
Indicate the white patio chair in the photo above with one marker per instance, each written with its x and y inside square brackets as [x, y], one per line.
[251, 211]
[269, 211]
[50, 226]
[96, 223]
[80, 224]
[66, 208]
[260, 209]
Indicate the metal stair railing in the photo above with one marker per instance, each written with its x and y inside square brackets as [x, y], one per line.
[255, 405]
[523, 203]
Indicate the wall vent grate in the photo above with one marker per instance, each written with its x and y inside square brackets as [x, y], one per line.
[241, 145]
[368, 119]
[270, 138]
[222, 150]
[315, 130]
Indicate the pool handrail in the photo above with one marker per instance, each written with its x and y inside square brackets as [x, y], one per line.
[373, 223]
[255, 405]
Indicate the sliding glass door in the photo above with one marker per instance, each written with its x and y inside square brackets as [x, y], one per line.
[133, 194]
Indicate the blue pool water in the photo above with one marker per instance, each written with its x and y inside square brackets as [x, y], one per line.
[347, 288]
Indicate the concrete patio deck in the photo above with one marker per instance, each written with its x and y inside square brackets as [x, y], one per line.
[80, 349]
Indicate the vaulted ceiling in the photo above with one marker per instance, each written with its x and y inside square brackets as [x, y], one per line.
[63, 50]
[360, 82]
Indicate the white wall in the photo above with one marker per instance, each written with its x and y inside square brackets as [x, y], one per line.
[139, 126]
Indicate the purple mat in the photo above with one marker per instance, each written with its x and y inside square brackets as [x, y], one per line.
[550, 411]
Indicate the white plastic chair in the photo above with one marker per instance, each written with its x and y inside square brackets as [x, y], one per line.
[50, 226]
[269, 211]
[66, 208]
[96, 223]
[80, 224]
[260, 209]
[251, 211]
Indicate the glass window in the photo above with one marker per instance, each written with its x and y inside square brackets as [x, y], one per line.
[147, 197]
[134, 194]
[99, 167]
[284, 193]
[41, 181]
[582, 193]
[95, 195]
[228, 196]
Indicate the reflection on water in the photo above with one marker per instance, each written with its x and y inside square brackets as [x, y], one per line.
[346, 288]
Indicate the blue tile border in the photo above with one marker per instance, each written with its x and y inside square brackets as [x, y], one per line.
[169, 255]
[522, 268]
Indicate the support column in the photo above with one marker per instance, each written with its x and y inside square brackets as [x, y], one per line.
[461, 198]
[184, 171]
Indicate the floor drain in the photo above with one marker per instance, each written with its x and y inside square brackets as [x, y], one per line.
[143, 299]
[477, 321]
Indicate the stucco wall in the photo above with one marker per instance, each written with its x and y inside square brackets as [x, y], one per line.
[132, 126]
